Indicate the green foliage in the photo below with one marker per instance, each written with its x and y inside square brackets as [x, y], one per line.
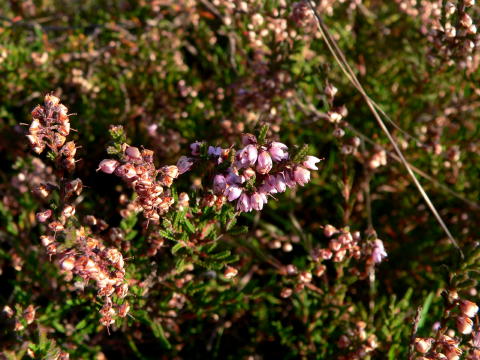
[169, 73]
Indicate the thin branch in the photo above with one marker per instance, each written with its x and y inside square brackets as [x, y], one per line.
[416, 321]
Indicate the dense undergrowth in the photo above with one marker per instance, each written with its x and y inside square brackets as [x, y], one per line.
[201, 179]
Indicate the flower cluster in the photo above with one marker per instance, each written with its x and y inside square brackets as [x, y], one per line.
[49, 128]
[256, 172]
[136, 167]
[83, 255]
[105, 266]
[343, 244]
[449, 26]
[447, 346]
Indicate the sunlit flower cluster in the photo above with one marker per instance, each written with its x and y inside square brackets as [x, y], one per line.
[136, 167]
[256, 172]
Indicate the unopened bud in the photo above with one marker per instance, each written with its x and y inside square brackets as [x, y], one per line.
[67, 263]
[423, 345]
[464, 325]
[468, 308]
[286, 292]
[108, 166]
[230, 272]
[44, 215]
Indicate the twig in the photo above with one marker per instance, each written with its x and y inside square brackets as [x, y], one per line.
[416, 321]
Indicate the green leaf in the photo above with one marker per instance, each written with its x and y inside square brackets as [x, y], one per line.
[177, 247]
[263, 134]
[189, 226]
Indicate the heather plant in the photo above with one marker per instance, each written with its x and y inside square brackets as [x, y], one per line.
[239, 179]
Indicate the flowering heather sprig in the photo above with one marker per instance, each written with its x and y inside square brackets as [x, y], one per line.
[450, 27]
[257, 171]
[345, 244]
[445, 345]
[87, 257]
[136, 168]
[49, 128]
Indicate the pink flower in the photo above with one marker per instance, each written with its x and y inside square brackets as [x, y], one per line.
[248, 139]
[108, 166]
[219, 184]
[269, 185]
[256, 201]
[301, 175]
[195, 147]
[244, 204]
[289, 179]
[263, 196]
[248, 155]
[214, 151]
[184, 164]
[378, 253]
[468, 308]
[44, 215]
[464, 325]
[310, 162]
[280, 184]
[476, 339]
[264, 162]
[278, 151]
[233, 178]
[233, 192]
[126, 171]
[152, 129]
[133, 153]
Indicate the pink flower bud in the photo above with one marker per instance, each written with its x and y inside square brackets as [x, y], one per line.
[230, 272]
[301, 175]
[126, 171]
[219, 184]
[247, 156]
[468, 308]
[264, 162]
[330, 90]
[278, 151]
[279, 183]
[108, 166]
[325, 254]
[171, 171]
[46, 240]
[329, 230]
[248, 173]
[248, 139]
[378, 253]
[464, 325]
[286, 292]
[289, 179]
[233, 178]
[67, 263]
[68, 211]
[423, 345]
[43, 215]
[256, 201]
[305, 277]
[243, 203]
[184, 164]
[133, 153]
[29, 314]
[51, 100]
[233, 192]
[214, 151]
[310, 162]
[123, 309]
[195, 147]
